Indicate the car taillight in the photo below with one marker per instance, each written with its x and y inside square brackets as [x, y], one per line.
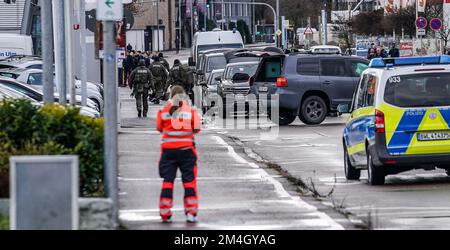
[379, 122]
[251, 80]
[281, 82]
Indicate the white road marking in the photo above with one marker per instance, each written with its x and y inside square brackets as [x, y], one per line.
[279, 189]
[249, 177]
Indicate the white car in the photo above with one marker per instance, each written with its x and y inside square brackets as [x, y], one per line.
[326, 49]
[33, 77]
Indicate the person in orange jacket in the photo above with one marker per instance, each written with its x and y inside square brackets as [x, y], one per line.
[179, 123]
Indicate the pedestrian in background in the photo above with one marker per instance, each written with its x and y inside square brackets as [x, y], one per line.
[160, 75]
[129, 47]
[394, 51]
[177, 44]
[178, 123]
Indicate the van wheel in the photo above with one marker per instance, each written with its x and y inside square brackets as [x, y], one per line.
[375, 174]
[314, 110]
[284, 119]
[351, 173]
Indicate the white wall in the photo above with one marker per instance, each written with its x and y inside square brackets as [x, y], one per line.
[136, 39]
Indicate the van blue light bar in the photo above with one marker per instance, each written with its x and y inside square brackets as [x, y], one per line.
[409, 61]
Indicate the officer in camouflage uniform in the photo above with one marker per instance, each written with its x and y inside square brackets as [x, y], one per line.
[141, 82]
[163, 61]
[177, 75]
[160, 75]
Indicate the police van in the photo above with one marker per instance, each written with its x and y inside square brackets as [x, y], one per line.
[400, 118]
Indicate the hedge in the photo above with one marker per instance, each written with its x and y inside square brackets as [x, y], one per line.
[52, 130]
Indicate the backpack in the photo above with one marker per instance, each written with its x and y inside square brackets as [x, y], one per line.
[141, 79]
[158, 70]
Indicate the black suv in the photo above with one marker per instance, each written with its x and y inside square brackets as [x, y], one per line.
[308, 86]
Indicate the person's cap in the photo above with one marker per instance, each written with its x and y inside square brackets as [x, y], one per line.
[141, 62]
[161, 55]
[176, 61]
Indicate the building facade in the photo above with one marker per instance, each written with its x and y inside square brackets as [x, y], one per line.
[154, 21]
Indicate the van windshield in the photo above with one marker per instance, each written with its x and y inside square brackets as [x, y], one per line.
[421, 90]
[201, 48]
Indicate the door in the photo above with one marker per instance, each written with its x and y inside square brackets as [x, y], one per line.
[158, 36]
[336, 81]
[417, 116]
[356, 68]
[361, 125]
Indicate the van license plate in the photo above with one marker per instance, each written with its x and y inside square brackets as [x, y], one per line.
[263, 89]
[436, 136]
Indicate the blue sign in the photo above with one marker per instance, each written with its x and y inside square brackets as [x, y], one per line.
[421, 22]
[435, 24]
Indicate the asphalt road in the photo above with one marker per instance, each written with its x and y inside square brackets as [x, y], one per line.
[314, 154]
[251, 174]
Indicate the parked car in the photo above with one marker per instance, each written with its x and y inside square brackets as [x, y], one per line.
[210, 62]
[6, 92]
[90, 110]
[39, 96]
[23, 63]
[235, 83]
[209, 90]
[326, 49]
[308, 86]
[33, 77]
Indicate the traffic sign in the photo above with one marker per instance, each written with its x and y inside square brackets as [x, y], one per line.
[435, 24]
[421, 22]
[109, 10]
[421, 32]
[308, 31]
[279, 33]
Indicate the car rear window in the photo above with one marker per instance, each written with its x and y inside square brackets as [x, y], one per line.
[217, 62]
[421, 90]
[308, 66]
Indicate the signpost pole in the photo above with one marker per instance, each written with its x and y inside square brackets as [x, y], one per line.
[83, 53]
[47, 50]
[110, 12]
[60, 49]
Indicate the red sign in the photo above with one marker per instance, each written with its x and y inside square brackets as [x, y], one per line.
[406, 49]
[308, 31]
[421, 22]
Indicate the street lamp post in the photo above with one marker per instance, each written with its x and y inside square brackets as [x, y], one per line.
[47, 50]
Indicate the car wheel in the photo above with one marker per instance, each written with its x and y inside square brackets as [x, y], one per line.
[375, 174]
[351, 173]
[284, 119]
[314, 110]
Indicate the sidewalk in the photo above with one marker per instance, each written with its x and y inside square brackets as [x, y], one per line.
[234, 193]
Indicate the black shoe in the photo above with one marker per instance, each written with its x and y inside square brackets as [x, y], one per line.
[145, 115]
[139, 114]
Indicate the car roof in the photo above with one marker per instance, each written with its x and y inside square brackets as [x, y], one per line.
[326, 56]
[214, 55]
[242, 64]
[18, 63]
[217, 71]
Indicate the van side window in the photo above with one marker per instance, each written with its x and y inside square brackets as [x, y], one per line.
[366, 92]
[360, 95]
[333, 67]
[308, 66]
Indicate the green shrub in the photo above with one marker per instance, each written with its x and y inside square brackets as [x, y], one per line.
[4, 223]
[52, 130]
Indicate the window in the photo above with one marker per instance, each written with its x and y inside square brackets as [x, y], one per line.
[35, 79]
[366, 92]
[357, 68]
[419, 90]
[308, 66]
[22, 90]
[217, 62]
[333, 67]
[35, 66]
[249, 69]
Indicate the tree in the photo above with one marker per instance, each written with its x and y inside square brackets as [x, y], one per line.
[368, 23]
[242, 27]
[343, 27]
[136, 7]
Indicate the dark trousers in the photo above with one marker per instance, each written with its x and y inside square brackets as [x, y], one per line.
[142, 101]
[186, 161]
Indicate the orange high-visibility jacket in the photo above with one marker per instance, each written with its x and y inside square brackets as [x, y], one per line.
[178, 129]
